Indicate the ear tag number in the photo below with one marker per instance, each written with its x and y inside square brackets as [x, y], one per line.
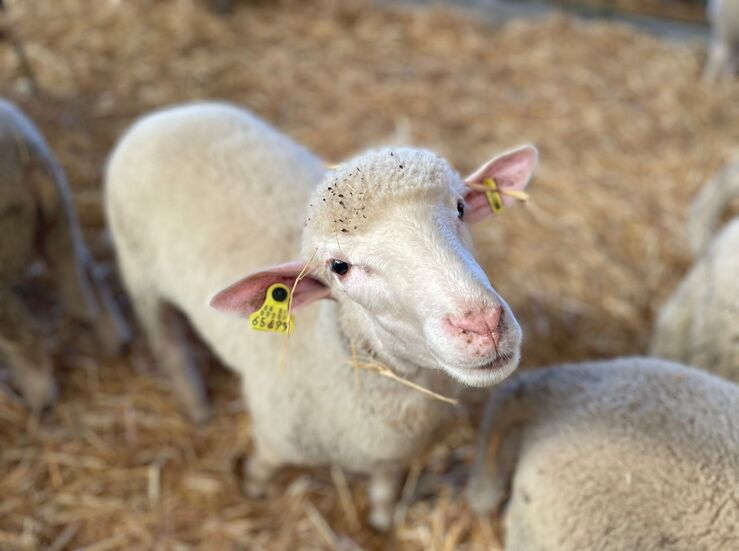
[273, 314]
[494, 197]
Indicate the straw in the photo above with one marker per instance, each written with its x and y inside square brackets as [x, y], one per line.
[385, 371]
[283, 350]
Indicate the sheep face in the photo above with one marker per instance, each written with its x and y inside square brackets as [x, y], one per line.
[411, 282]
[390, 241]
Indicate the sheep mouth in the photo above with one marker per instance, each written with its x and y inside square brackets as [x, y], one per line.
[485, 375]
[500, 362]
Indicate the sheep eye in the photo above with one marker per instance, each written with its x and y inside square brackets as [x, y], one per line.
[460, 209]
[339, 267]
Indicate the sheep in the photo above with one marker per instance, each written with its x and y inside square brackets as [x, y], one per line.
[723, 55]
[200, 194]
[626, 454]
[37, 219]
[699, 324]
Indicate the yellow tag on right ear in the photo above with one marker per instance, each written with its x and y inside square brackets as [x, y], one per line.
[273, 314]
[494, 197]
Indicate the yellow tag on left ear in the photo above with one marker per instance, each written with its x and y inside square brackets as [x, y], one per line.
[494, 197]
[273, 314]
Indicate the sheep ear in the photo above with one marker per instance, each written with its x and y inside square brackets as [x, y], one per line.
[511, 171]
[248, 294]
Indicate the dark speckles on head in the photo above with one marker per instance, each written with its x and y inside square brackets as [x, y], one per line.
[375, 179]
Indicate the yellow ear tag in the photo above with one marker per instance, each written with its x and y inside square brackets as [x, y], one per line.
[273, 314]
[494, 197]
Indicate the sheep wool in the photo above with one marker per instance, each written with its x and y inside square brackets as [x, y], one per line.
[627, 454]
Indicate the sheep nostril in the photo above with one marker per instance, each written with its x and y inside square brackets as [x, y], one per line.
[486, 324]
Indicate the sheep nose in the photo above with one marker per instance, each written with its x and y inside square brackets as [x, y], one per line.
[484, 323]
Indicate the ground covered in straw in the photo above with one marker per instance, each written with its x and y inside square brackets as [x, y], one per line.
[627, 135]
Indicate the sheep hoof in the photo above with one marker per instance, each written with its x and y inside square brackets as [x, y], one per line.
[381, 519]
[255, 490]
[199, 414]
[41, 396]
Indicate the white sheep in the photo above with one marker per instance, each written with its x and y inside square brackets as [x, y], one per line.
[723, 55]
[627, 454]
[37, 220]
[202, 194]
[699, 324]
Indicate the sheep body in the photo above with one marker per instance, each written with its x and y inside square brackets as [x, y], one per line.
[37, 220]
[699, 324]
[197, 195]
[212, 190]
[627, 454]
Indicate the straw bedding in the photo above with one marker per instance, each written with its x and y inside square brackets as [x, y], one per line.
[627, 136]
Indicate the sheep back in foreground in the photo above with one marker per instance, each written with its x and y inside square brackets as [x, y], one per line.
[628, 454]
[699, 323]
[199, 195]
[38, 221]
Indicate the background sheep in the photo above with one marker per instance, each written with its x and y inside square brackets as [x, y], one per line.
[620, 455]
[199, 194]
[37, 219]
[723, 55]
[699, 324]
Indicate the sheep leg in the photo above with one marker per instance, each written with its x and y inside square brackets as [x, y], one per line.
[490, 485]
[60, 238]
[112, 329]
[177, 359]
[28, 362]
[259, 469]
[167, 335]
[719, 64]
[673, 336]
[384, 486]
[498, 449]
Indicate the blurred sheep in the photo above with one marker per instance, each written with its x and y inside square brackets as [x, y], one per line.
[628, 454]
[699, 324]
[37, 220]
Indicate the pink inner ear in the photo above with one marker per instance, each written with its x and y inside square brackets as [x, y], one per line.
[248, 294]
[511, 171]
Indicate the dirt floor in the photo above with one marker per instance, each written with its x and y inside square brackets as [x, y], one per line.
[627, 134]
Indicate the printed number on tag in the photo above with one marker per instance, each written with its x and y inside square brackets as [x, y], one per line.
[273, 314]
